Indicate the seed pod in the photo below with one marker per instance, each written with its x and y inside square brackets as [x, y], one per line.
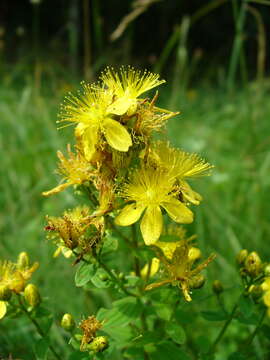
[31, 295]
[253, 264]
[197, 281]
[68, 322]
[23, 260]
[5, 293]
[98, 344]
[217, 287]
[241, 257]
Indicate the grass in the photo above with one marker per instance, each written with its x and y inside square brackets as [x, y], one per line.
[230, 131]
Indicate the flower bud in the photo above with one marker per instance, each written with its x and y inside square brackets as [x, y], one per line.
[197, 281]
[98, 344]
[23, 260]
[68, 322]
[267, 270]
[31, 295]
[194, 254]
[5, 293]
[241, 257]
[217, 287]
[266, 298]
[253, 264]
[255, 291]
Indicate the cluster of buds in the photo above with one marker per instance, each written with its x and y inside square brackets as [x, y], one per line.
[13, 280]
[256, 273]
[88, 340]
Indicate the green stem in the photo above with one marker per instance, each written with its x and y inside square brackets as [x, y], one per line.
[37, 326]
[135, 245]
[252, 336]
[223, 330]
[112, 276]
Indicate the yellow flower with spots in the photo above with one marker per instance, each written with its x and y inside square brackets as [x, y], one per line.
[75, 169]
[127, 85]
[179, 267]
[150, 190]
[91, 110]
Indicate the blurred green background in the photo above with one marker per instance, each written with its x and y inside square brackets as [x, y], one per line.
[214, 56]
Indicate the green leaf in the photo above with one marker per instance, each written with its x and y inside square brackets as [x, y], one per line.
[169, 238]
[176, 332]
[41, 348]
[129, 306]
[134, 353]
[246, 305]
[132, 280]
[265, 330]
[78, 355]
[110, 244]
[74, 343]
[84, 274]
[237, 356]
[115, 324]
[214, 315]
[149, 337]
[167, 350]
[163, 311]
[101, 279]
[45, 323]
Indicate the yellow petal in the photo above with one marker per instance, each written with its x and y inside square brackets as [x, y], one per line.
[130, 214]
[189, 194]
[151, 225]
[88, 137]
[154, 266]
[3, 309]
[266, 298]
[120, 106]
[178, 211]
[117, 135]
[57, 189]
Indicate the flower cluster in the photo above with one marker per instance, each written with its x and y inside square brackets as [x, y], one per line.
[128, 176]
[13, 278]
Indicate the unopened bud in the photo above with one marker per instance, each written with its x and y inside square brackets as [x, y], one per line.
[253, 264]
[23, 260]
[31, 295]
[217, 287]
[267, 270]
[241, 257]
[266, 299]
[68, 322]
[194, 254]
[103, 277]
[5, 293]
[98, 344]
[255, 291]
[197, 281]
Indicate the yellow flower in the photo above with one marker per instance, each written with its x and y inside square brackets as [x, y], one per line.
[127, 85]
[89, 327]
[151, 118]
[14, 276]
[180, 269]
[75, 169]
[92, 111]
[149, 190]
[182, 165]
[76, 229]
